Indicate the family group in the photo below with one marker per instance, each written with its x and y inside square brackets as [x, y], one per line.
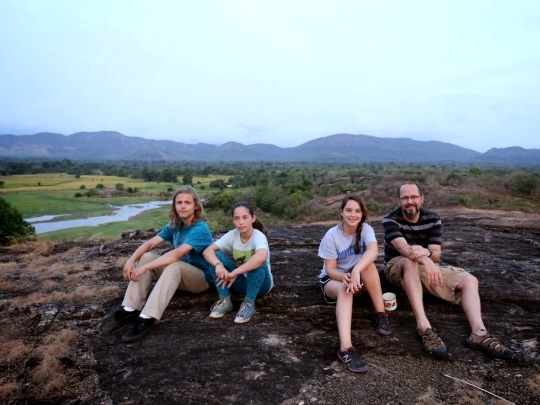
[239, 263]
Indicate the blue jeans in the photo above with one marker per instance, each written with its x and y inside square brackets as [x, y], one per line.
[253, 284]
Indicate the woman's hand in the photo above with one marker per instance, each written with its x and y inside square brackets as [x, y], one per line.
[227, 280]
[355, 283]
[346, 281]
[221, 272]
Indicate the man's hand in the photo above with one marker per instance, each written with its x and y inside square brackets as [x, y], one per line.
[433, 274]
[128, 268]
[416, 252]
[136, 273]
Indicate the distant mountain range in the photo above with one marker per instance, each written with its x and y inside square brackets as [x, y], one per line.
[339, 148]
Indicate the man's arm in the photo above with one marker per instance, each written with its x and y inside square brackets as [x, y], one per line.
[420, 255]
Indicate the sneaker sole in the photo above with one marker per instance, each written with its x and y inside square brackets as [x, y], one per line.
[438, 355]
[216, 315]
[383, 333]
[243, 320]
[352, 370]
[478, 346]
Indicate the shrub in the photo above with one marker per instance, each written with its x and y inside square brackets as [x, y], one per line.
[12, 224]
[523, 183]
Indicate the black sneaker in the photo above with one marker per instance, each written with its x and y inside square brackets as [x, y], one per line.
[431, 343]
[123, 317]
[140, 329]
[382, 325]
[352, 360]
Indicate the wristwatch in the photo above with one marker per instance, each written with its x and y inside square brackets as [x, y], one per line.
[430, 252]
[217, 264]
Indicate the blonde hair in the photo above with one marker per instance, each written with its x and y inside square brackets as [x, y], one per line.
[199, 209]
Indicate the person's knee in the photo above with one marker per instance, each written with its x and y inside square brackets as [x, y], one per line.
[470, 282]
[408, 266]
[343, 295]
[173, 270]
[147, 258]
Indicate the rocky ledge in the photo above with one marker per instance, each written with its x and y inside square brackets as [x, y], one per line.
[287, 353]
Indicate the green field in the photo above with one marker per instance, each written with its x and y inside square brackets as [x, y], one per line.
[54, 194]
[281, 193]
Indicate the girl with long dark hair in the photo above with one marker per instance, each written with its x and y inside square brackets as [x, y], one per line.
[349, 251]
[240, 263]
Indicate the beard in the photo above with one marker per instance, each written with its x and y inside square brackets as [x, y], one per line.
[410, 211]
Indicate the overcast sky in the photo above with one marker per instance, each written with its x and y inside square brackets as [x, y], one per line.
[278, 71]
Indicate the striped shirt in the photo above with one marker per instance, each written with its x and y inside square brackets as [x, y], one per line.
[427, 231]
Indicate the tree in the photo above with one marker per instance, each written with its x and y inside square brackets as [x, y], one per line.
[12, 224]
[187, 178]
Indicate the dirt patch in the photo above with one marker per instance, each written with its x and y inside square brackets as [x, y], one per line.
[287, 353]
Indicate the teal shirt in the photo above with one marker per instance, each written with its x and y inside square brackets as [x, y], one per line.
[198, 236]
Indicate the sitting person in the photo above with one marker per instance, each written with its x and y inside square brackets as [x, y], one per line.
[182, 268]
[412, 250]
[349, 251]
[248, 273]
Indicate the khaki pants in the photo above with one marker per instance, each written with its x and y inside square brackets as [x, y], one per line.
[177, 275]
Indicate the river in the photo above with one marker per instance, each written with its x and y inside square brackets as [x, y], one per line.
[121, 213]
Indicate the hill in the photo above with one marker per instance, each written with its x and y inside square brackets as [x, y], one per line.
[339, 148]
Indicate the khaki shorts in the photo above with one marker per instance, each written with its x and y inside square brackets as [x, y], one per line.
[452, 277]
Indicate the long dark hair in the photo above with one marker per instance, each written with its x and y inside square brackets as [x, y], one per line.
[257, 224]
[364, 210]
[199, 210]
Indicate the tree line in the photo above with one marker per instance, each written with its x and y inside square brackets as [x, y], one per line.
[302, 191]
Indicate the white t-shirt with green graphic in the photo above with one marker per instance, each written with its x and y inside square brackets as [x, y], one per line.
[231, 244]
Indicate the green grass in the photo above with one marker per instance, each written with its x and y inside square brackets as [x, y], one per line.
[54, 202]
[150, 219]
[54, 194]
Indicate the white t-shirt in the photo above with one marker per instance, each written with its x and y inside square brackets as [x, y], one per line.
[241, 252]
[339, 246]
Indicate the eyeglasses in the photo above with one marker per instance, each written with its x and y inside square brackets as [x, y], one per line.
[410, 197]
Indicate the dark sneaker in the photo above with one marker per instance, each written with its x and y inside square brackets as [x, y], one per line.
[123, 317]
[431, 343]
[382, 325]
[221, 307]
[352, 360]
[140, 329]
[490, 345]
[247, 309]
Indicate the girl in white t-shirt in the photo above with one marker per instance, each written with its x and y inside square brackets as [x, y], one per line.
[349, 251]
[240, 264]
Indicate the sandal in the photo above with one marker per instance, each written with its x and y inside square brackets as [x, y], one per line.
[490, 345]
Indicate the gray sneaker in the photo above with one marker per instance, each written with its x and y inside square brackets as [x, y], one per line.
[221, 307]
[247, 309]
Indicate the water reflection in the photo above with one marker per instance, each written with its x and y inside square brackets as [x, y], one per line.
[121, 213]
